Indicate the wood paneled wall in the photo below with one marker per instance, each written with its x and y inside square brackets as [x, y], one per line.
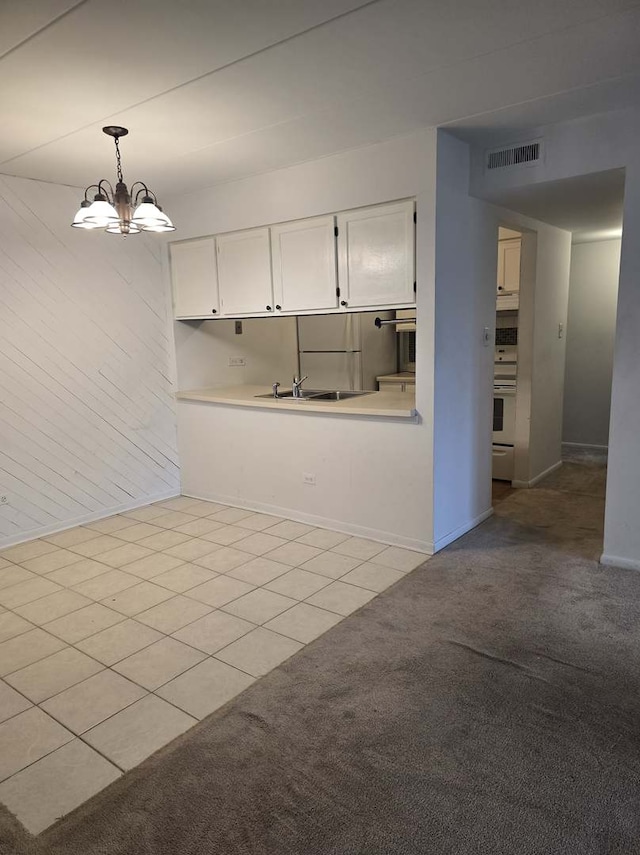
[87, 418]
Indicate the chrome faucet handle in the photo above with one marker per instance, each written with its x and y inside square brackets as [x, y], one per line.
[275, 388]
[297, 384]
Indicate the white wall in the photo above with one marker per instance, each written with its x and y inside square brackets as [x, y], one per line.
[466, 261]
[596, 144]
[591, 325]
[381, 473]
[87, 420]
[269, 347]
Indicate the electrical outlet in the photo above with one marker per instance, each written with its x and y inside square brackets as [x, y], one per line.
[236, 361]
[308, 478]
[4, 500]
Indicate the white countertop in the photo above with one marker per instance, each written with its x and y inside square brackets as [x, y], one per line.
[388, 404]
[401, 377]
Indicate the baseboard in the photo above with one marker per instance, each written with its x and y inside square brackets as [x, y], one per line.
[463, 529]
[387, 537]
[534, 481]
[624, 563]
[585, 445]
[33, 534]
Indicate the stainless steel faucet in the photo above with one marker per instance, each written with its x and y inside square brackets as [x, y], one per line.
[296, 387]
[275, 388]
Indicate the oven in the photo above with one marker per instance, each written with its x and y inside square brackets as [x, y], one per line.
[504, 412]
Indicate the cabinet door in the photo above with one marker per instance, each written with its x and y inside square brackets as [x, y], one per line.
[409, 387]
[508, 265]
[244, 273]
[376, 255]
[194, 278]
[304, 265]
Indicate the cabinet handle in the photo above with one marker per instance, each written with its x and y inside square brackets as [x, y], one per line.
[278, 307]
[269, 309]
[500, 288]
[343, 303]
[214, 311]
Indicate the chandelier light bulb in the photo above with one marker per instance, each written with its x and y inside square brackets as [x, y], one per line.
[80, 219]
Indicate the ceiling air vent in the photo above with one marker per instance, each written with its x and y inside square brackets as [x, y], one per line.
[524, 154]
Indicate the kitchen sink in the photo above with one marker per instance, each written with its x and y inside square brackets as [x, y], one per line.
[314, 395]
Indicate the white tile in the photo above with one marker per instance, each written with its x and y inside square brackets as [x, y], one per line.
[12, 625]
[184, 577]
[149, 512]
[289, 529]
[124, 554]
[323, 538]
[22, 650]
[153, 565]
[79, 572]
[92, 701]
[106, 584]
[294, 554]
[52, 675]
[219, 591]
[4, 563]
[96, 546]
[110, 525]
[226, 535]
[359, 547]
[13, 574]
[172, 519]
[232, 515]
[191, 548]
[159, 663]
[374, 577]
[70, 537]
[259, 543]
[54, 606]
[180, 503]
[138, 531]
[83, 623]
[205, 509]
[340, 598]
[205, 688]
[298, 584]
[400, 559]
[164, 540]
[198, 527]
[28, 737]
[130, 736]
[259, 571]
[137, 599]
[44, 564]
[223, 559]
[258, 522]
[173, 614]
[304, 622]
[119, 641]
[25, 551]
[56, 784]
[331, 565]
[259, 606]
[27, 592]
[11, 702]
[259, 651]
[214, 631]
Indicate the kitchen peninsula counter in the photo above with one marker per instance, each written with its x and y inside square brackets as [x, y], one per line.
[387, 404]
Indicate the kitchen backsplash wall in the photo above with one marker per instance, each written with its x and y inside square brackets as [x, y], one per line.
[204, 349]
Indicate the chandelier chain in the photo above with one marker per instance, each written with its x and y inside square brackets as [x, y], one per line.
[118, 161]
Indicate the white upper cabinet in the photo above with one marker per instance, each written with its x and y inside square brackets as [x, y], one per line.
[376, 248]
[194, 278]
[508, 266]
[304, 265]
[244, 272]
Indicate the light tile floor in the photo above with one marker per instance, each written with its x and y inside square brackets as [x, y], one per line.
[118, 636]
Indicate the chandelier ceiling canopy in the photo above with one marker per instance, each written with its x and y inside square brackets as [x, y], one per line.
[119, 211]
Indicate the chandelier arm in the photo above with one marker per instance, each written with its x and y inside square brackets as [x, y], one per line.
[89, 188]
[146, 190]
[108, 183]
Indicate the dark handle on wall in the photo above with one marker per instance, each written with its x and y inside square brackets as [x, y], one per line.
[278, 307]
[269, 309]
[343, 303]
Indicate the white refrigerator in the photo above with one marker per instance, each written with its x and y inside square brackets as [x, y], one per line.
[346, 351]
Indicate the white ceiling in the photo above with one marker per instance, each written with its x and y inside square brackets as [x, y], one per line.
[214, 90]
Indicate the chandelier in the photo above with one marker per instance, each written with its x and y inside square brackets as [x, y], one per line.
[121, 212]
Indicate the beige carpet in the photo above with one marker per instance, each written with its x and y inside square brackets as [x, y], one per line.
[487, 703]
